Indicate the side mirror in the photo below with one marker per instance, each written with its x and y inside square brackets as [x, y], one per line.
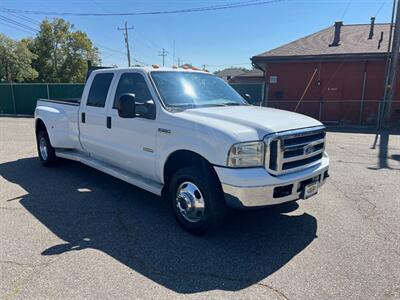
[247, 97]
[126, 106]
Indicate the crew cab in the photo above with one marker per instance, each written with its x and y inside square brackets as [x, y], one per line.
[188, 136]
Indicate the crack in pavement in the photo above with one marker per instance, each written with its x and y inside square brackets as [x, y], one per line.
[373, 216]
[19, 285]
[11, 262]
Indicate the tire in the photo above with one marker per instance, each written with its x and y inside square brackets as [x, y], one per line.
[197, 200]
[46, 152]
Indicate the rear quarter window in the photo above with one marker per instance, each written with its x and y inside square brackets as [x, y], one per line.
[99, 89]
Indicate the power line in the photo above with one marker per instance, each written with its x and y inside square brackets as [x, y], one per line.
[346, 9]
[141, 62]
[22, 17]
[17, 23]
[15, 27]
[143, 13]
[224, 65]
[100, 46]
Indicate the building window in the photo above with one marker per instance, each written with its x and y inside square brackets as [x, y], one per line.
[273, 79]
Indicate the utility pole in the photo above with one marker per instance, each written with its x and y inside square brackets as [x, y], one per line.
[390, 79]
[125, 29]
[163, 53]
[179, 61]
[173, 54]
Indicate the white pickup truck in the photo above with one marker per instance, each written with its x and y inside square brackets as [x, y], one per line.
[189, 136]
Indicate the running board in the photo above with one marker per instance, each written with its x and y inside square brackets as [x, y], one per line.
[137, 180]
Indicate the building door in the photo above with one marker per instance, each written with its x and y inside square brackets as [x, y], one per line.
[331, 101]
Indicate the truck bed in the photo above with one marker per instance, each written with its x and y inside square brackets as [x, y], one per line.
[61, 120]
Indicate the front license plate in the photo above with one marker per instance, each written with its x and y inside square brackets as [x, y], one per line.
[310, 189]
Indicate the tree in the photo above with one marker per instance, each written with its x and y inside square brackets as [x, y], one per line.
[15, 60]
[62, 52]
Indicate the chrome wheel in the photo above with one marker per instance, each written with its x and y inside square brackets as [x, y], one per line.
[190, 202]
[43, 148]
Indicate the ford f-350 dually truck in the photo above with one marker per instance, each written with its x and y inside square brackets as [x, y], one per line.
[186, 135]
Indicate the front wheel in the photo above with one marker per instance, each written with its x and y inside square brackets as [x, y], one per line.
[46, 152]
[197, 200]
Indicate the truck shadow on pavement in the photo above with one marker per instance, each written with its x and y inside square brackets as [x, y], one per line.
[89, 209]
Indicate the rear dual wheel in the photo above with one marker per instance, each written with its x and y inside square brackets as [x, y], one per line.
[46, 152]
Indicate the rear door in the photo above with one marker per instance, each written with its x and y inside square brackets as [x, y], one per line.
[93, 116]
[132, 141]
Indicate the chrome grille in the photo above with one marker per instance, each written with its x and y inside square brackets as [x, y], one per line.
[294, 150]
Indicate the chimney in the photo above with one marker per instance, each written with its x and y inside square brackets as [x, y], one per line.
[336, 39]
[371, 29]
[380, 41]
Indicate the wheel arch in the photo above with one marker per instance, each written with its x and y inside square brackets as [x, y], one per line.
[184, 158]
[39, 124]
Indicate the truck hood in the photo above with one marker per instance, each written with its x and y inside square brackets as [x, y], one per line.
[245, 121]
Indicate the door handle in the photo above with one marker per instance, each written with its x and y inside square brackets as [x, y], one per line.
[108, 122]
[83, 117]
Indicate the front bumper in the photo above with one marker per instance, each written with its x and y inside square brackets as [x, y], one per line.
[255, 187]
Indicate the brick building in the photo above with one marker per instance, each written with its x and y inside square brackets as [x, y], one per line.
[343, 67]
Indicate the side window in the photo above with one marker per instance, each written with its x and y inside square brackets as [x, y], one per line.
[132, 83]
[99, 89]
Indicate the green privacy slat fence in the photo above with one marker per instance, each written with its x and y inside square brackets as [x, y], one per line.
[6, 99]
[21, 98]
[26, 96]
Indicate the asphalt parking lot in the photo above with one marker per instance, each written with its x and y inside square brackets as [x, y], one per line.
[74, 232]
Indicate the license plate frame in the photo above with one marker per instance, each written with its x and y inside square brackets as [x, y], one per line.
[310, 190]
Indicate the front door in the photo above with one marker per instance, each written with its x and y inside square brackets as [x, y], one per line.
[132, 141]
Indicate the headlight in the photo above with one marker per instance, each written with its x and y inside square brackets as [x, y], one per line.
[250, 154]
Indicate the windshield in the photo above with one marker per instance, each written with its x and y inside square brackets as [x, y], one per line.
[191, 90]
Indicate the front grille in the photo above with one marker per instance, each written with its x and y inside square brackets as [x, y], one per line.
[294, 150]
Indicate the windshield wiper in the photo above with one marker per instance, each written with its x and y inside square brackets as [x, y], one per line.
[232, 104]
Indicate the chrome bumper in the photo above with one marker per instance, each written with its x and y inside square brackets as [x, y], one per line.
[256, 187]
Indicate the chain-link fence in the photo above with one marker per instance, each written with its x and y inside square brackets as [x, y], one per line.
[343, 112]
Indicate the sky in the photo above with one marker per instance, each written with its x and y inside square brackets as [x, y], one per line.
[217, 39]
